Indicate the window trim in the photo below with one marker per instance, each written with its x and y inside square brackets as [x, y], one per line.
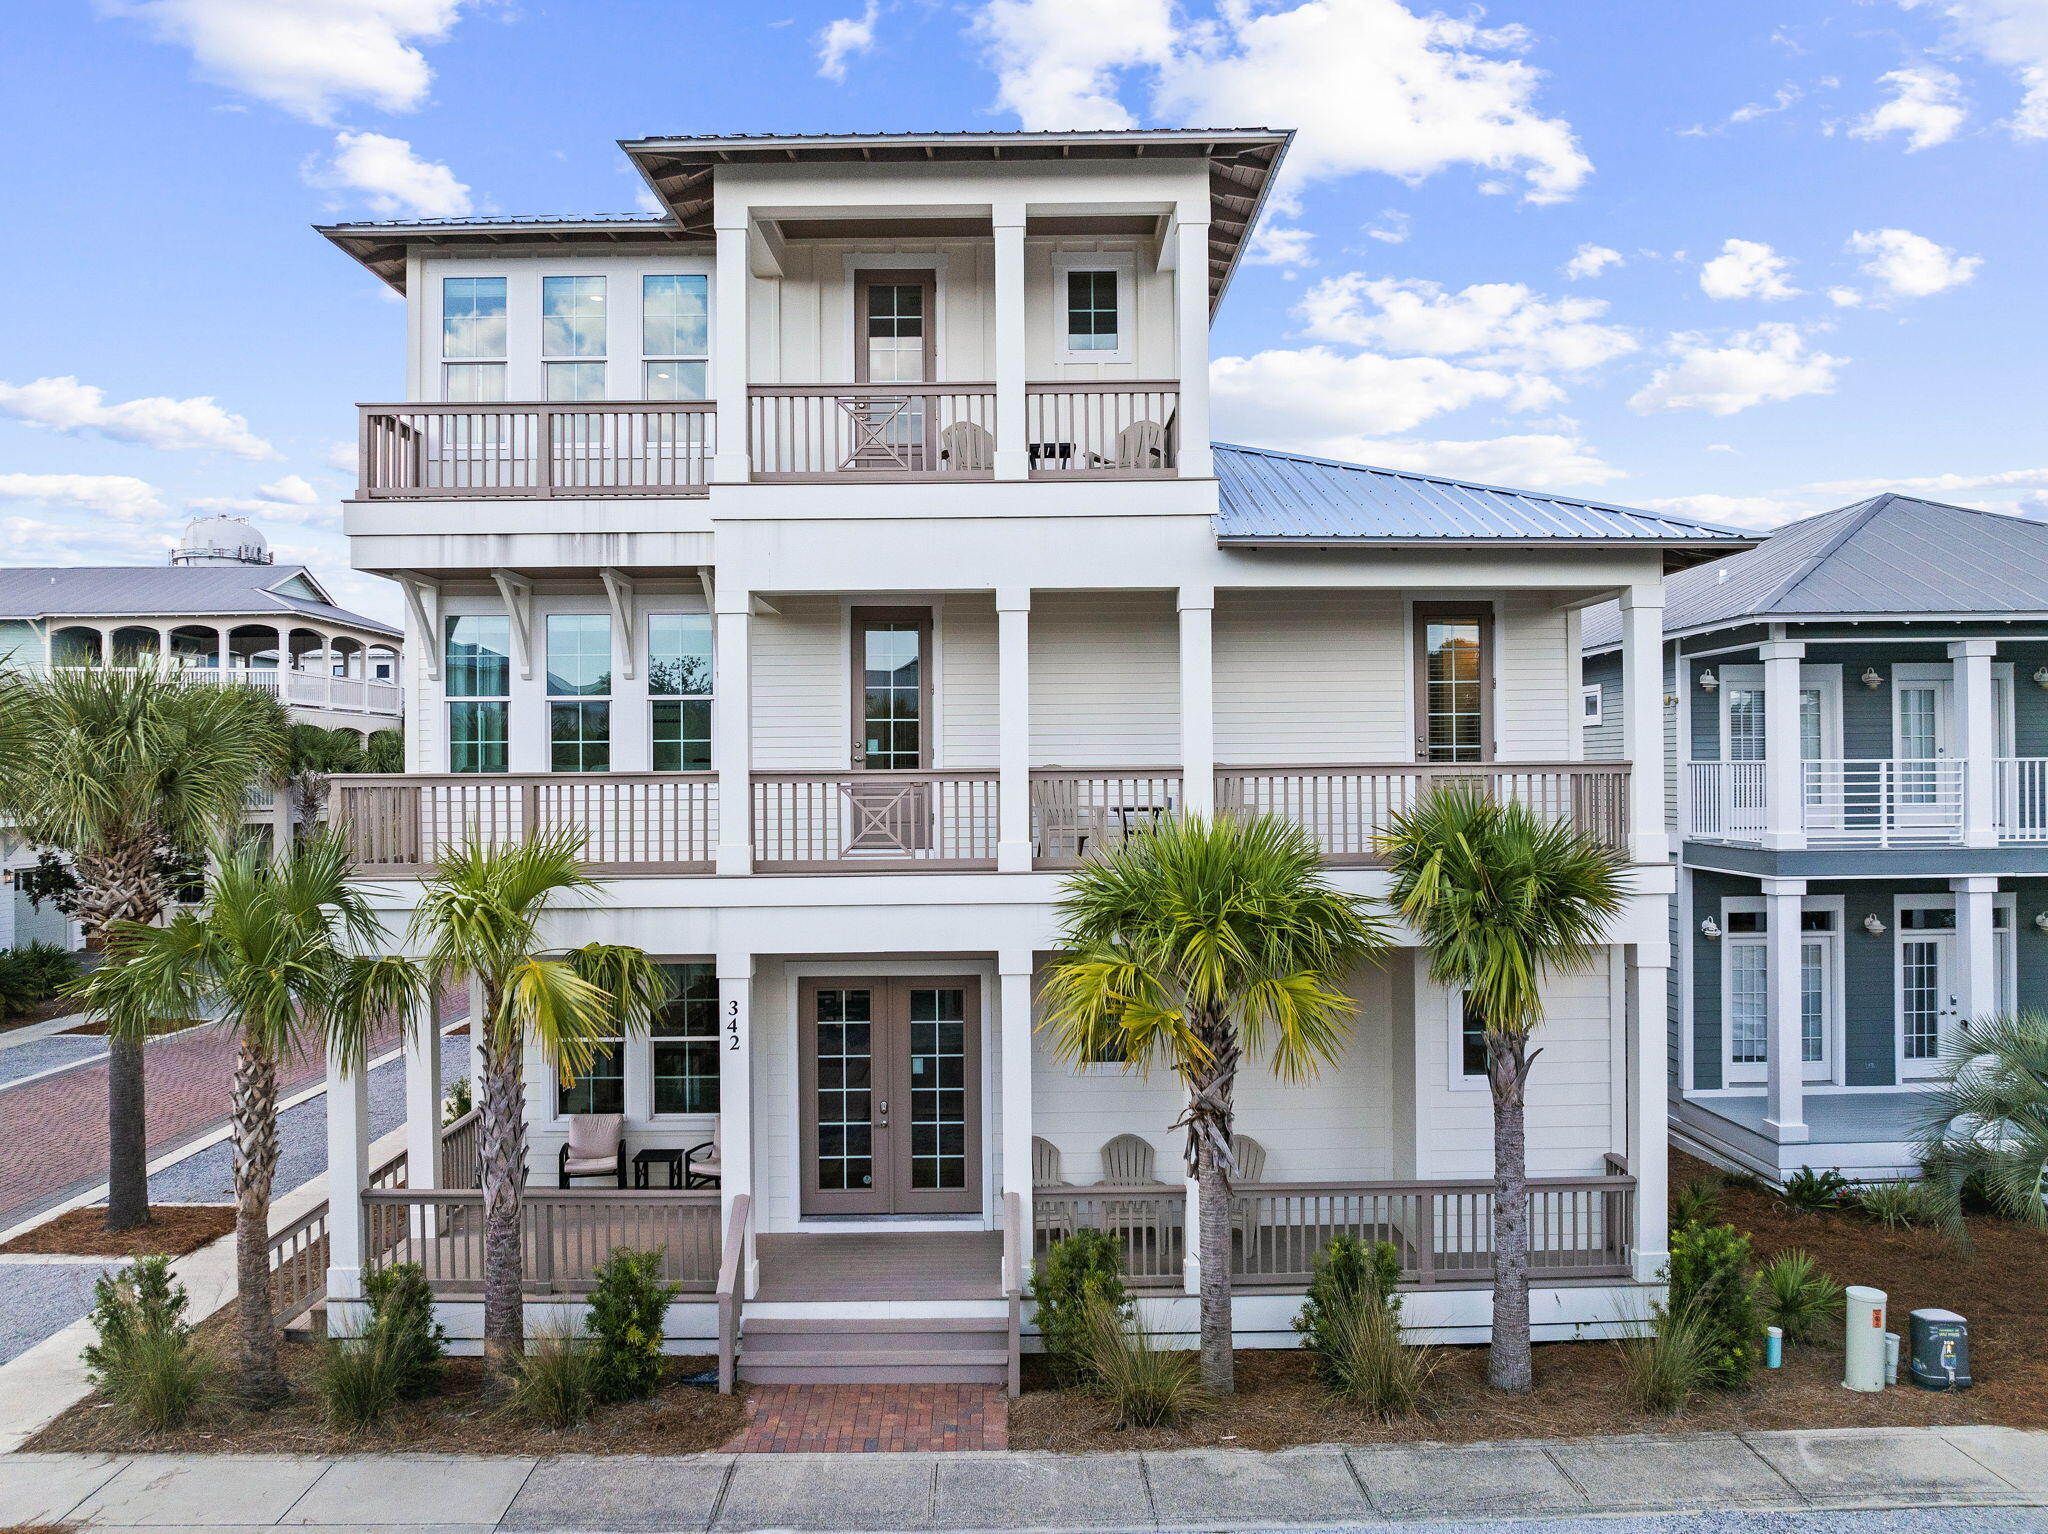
[1125, 268]
[609, 697]
[1421, 615]
[649, 1039]
[651, 359]
[444, 363]
[450, 700]
[2004, 954]
[1456, 1077]
[1595, 694]
[1829, 1069]
[903, 276]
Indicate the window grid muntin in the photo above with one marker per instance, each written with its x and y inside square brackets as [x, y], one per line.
[1454, 700]
[892, 692]
[1748, 1004]
[572, 316]
[601, 1088]
[684, 1052]
[845, 1092]
[680, 730]
[579, 655]
[580, 736]
[938, 1088]
[473, 319]
[1920, 998]
[1092, 312]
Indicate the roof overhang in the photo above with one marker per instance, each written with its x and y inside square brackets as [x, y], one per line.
[382, 247]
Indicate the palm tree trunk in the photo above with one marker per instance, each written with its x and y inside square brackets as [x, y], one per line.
[502, 1151]
[1508, 1363]
[1209, 1118]
[127, 1136]
[255, 1121]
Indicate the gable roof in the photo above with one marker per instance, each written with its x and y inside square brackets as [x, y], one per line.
[169, 591]
[1890, 556]
[1290, 499]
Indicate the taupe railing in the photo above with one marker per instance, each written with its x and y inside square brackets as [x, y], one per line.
[730, 1293]
[639, 822]
[1149, 1223]
[432, 451]
[461, 1151]
[1102, 430]
[564, 1234]
[1074, 811]
[298, 1253]
[901, 431]
[854, 822]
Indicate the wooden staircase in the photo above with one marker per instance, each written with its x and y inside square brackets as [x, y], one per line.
[882, 1350]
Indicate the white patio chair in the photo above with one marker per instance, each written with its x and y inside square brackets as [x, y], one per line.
[966, 446]
[1045, 1164]
[1127, 1162]
[596, 1147]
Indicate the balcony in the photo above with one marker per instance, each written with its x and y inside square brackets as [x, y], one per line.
[501, 451]
[1876, 803]
[296, 688]
[918, 821]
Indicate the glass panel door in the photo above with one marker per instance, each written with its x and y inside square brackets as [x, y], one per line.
[1925, 1008]
[846, 1117]
[1919, 739]
[1748, 1010]
[938, 1088]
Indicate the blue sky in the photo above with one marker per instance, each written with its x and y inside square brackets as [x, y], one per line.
[1743, 259]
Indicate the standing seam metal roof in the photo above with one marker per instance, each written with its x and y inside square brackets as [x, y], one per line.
[166, 591]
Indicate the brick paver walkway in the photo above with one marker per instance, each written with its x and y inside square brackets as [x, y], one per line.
[871, 1419]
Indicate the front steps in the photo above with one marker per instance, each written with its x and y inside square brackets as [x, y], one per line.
[875, 1350]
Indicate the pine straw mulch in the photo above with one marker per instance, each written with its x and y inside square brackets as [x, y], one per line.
[172, 1230]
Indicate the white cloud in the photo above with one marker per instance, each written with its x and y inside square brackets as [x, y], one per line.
[1911, 265]
[1497, 324]
[1935, 484]
[1926, 106]
[845, 38]
[65, 404]
[1591, 261]
[1390, 228]
[253, 508]
[2012, 33]
[1536, 462]
[1720, 447]
[1752, 367]
[1747, 269]
[115, 495]
[343, 456]
[291, 488]
[1370, 85]
[394, 181]
[306, 56]
[1318, 395]
[1785, 97]
[1730, 510]
[1278, 245]
[1845, 298]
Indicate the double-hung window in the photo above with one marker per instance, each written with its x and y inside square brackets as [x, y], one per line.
[572, 325]
[685, 1042]
[674, 335]
[478, 667]
[473, 338]
[679, 690]
[579, 692]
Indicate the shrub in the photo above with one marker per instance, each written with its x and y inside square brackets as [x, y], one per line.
[1363, 1359]
[1984, 1124]
[555, 1384]
[143, 1358]
[361, 1378]
[1663, 1371]
[1710, 1278]
[402, 1314]
[32, 974]
[1087, 1265]
[1350, 1273]
[1907, 1205]
[626, 1313]
[457, 1100]
[1147, 1386]
[1809, 1192]
[1797, 1297]
[1698, 1202]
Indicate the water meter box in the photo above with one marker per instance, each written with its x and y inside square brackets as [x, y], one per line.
[1941, 1350]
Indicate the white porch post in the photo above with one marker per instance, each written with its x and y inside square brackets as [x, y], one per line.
[736, 1093]
[1197, 701]
[731, 727]
[422, 1045]
[1013, 457]
[729, 459]
[1975, 993]
[1976, 722]
[1648, 1109]
[348, 1174]
[476, 1040]
[1014, 1003]
[1013, 729]
[1191, 310]
[1784, 772]
[1642, 720]
[1785, 1094]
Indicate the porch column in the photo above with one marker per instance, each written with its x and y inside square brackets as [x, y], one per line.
[476, 1040]
[348, 1175]
[1784, 773]
[1975, 993]
[729, 460]
[1014, 1006]
[422, 1045]
[731, 723]
[1191, 310]
[1642, 720]
[1785, 1096]
[1013, 729]
[1976, 706]
[1197, 701]
[1013, 458]
[1648, 1107]
[221, 636]
[736, 1094]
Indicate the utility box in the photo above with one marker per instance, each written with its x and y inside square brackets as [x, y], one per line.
[1941, 1350]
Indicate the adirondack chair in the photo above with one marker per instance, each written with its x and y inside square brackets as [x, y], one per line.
[1045, 1164]
[1251, 1168]
[1127, 1162]
[965, 445]
[1140, 445]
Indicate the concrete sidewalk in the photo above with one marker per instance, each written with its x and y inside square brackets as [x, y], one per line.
[1188, 1489]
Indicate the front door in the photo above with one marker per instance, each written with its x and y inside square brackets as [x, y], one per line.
[890, 816]
[894, 343]
[1927, 1000]
[1922, 727]
[891, 1086]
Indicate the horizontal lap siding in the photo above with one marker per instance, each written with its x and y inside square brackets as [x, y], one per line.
[1310, 676]
[1105, 680]
[1532, 715]
[802, 704]
[966, 681]
[1708, 891]
[1602, 742]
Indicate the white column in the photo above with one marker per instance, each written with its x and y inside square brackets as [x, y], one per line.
[1191, 309]
[1191, 1237]
[1976, 709]
[1642, 720]
[1784, 773]
[1197, 701]
[1014, 1006]
[476, 1040]
[1013, 729]
[422, 1046]
[1974, 991]
[1013, 459]
[1785, 1095]
[736, 1090]
[731, 724]
[1648, 1109]
[729, 464]
[348, 1174]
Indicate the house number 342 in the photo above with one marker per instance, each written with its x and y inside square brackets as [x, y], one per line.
[732, 1025]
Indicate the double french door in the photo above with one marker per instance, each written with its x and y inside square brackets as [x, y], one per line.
[890, 1079]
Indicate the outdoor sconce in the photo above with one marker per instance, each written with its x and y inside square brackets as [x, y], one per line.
[2041, 920]
[1871, 679]
[1709, 682]
[2041, 678]
[1873, 926]
[1710, 930]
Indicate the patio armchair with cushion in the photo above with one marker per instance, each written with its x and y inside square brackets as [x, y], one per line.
[596, 1147]
[703, 1166]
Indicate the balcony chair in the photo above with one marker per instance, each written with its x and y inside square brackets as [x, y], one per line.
[1045, 1164]
[1140, 445]
[596, 1147]
[967, 447]
[703, 1166]
[1127, 1162]
[1251, 1168]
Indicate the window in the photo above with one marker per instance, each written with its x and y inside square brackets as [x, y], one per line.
[572, 325]
[579, 668]
[1589, 706]
[895, 327]
[473, 337]
[1090, 293]
[479, 683]
[679, 690]
[602, 1087]
[1748, 1007]
[1453, 681]
[890, 695]
[685, 1032]
[569, 382]
[674, 325]
[1472, 1051]
[1092, 312]
[474, 382]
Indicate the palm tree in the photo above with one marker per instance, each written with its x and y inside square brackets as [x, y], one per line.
[480, 916]
[1987, 1118]
[316, 754]
[275, 955]
[117, 767]
[1196, 944]
[1501, 898]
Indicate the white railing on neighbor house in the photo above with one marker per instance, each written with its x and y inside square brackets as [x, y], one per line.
[430, 451]
[1879, 802]
[1102, 430]
[304, 689]
[2023, 799]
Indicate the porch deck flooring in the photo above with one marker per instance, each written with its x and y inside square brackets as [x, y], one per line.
[1833, 1118]
[883, 1265]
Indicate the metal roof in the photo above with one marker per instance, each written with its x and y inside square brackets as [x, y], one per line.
[167, 591]
[1889, 556]
[1275, 498]
[381, 244]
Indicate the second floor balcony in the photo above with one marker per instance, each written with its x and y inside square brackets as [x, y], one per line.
[1877, 803]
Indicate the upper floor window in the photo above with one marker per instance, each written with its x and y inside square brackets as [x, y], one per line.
[478, 668]
[1092, 295]
[473, 337]
[1091, 312]
[1453, 683]
[580, 669]
[674, 335]
[572, 324]
[679, 690]
[895, 340]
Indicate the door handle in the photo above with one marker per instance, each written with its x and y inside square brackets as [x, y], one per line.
[882, 1121]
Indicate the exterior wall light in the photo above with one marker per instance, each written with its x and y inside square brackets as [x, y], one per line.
[2041, 678]
[1873, 926]
[2041, 920]
[1709, 682]
[1710, 930]
[1871, 679]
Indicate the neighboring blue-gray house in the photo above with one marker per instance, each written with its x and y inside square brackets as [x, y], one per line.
[1857, 722]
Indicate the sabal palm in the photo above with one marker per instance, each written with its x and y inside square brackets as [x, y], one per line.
[1196, 945]
[1987, 1117]
[1500, 898]
[315, 754]
[115, 767]
[481, 916]
[277, 953]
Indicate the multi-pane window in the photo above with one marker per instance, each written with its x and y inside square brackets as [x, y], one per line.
[602, 1087]
[473, 337]
[846, 1089]
[1092, 312]
[1745, 724]
[1748, 1003]
[572, 324]
[1452, 678]
[895, 339]
[579, 671]
[938, 1087]
[1472, 1051]
[674, 335]
[685, 1048]
[679, 690]
[478, 668]
[891, 658]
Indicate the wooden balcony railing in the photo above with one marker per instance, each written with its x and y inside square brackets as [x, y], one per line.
[1073, 811]
[435, 451]
[861, 822]
[848, 432]
[1102, 430]
[564, 1234]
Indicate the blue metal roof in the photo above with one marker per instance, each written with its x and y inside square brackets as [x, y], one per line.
[1270, 497]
